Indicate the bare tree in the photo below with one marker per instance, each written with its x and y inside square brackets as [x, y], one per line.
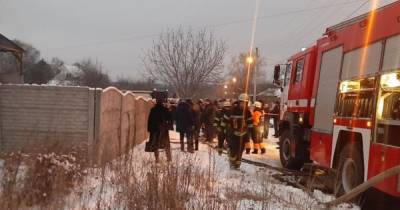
[238, 68]
[185, 60]
[40, 73]
[93, 74]
[124, 83]
[56, 64]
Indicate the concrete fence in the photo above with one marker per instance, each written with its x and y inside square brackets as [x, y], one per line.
[123, 123]
[101, 124]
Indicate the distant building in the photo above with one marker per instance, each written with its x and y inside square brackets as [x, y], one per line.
[142, 93]
[69, 76]
[270, 94]
[15, 75]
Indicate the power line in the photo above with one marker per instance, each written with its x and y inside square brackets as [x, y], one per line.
[356, 10]
[141, 37]
[352, 13]
[94, 43]
[347, 17]
[282, 14]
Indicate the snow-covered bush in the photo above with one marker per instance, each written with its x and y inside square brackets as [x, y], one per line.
[31, 180]
[51, 175]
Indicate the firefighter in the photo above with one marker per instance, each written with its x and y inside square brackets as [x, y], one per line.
[221, 125]
[258, 128]
[240, 122]
[249, 144]
[217, 120]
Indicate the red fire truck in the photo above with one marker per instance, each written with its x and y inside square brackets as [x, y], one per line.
[340, 105]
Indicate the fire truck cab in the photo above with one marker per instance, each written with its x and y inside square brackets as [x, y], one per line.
[341, 101]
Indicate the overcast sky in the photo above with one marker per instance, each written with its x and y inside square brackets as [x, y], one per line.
[115, 32]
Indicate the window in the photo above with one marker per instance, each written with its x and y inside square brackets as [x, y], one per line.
[356, 98]
[391, 60]
[287, 74]
[362, 61]
[299, 70]
[388, 110]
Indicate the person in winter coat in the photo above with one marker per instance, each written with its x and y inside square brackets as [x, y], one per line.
[240, 123]
[275, 114]
[185, 124]
[266, 120]
[159, 122]
[208, 118]
[258, 128]
[222, 128]
[196, 108]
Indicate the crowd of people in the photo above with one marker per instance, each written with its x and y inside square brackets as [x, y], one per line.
[238, 125]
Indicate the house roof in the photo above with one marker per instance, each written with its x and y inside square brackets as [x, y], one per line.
[7, 45]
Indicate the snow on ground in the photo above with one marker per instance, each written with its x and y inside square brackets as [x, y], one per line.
[271, 157]
[251, 187]
[256, 181]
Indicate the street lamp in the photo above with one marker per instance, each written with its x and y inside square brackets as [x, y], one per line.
[234, 80]
[250, 60]
[225, 86]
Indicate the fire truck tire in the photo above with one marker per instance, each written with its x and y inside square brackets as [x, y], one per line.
[286, 143]
[350, 169]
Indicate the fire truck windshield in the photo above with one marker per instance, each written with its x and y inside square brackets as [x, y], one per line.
[287, 74]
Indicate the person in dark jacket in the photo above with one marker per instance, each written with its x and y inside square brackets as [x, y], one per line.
[266, 120]
[208, 117]
[185, 124]
[196, 108]
[275, 114]
[158, 125]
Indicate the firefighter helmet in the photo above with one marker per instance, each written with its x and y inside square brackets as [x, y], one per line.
[257, 104]
[243, 97]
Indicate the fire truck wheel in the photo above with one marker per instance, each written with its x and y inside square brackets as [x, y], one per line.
[350, 170]
[286, 145]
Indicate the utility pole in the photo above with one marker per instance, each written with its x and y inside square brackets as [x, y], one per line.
[254, 76]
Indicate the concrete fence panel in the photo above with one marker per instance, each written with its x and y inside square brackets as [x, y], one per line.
[128, 121]
[43, 117]
[109, 144]
[101, 124]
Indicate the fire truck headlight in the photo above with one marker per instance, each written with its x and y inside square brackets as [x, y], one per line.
[301, 118]
[390, 80]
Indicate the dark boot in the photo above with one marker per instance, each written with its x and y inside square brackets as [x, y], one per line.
[220, 150]
[181, 140]
[247, 151]
[196, 144]
[255, 151]
[263, 150]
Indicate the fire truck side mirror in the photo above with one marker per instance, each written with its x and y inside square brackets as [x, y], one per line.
[277, 72]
